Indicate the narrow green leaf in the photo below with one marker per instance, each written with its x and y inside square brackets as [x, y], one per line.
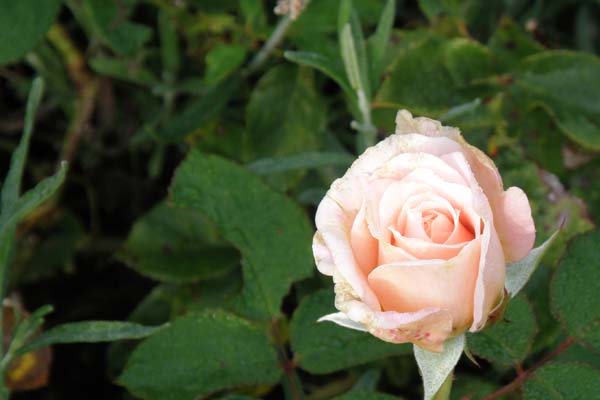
[378, 43]
[200, 111]
[23, 24]
[324, 347]
[325, 64]
[265, 166]
[199, 354]
[32, 199]
[435, 367]
[518, 273]
[508, 341]
[177, 245]
[243, 208]
[563, 381]
[12, 184]
[574, 289]
[169, 45]
[90, 332]
[353, 48]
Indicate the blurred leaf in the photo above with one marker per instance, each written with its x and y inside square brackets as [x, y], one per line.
[265, 166]
[23, 24]
[574, 289]
[519, 272]
[328, 65]
[365, 395]
[200, 111]
[123, 70]
[89, 332]
[110, 20]
[243, 209]
[200, 354]
[221, 61]
[510, 44]
[572, 381]
[436, 8]
[377, 44]
[435, 368]
[169, 45]
[565, 84]
[508, 341]
[285, 114]
[433, 75]
[177, 245]
[324, 347]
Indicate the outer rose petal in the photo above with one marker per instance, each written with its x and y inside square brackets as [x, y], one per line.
[427, 328]
[514, 224]
[445, 284]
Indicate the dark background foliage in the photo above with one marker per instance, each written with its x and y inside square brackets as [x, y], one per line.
[221, 245]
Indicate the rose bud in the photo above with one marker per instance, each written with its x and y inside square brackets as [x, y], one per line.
[417, 234]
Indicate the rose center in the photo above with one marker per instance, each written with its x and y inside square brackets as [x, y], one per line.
[438, 226]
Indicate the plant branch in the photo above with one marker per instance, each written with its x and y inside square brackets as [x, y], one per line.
[523, 376]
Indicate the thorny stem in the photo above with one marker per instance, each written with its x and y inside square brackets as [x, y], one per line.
[524, 375]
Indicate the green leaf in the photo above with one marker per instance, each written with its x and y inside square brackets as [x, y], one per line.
[471, 387]
[32, 199]
[199, 354]
[434, 74]
[353, 49]
[568, 381]
[90, 332]
[285, 114]
[564, 83]
[508, 341]
[123, 70]
[518, 273]
[574, 289]
[365, 395]
[327, 65]
[436, 367]
[222, 61]
[200, 111]
[265, 166]
[110, 20]
[23, 24]
[271, 232]
[178, 246]
[11, 189]
[324, 347]
[377, 44]
[511, 44]
[435, 8]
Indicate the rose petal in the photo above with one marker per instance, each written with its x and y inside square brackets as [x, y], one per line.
[364, 245]
[322, 255]
[514, 224]
[413, 286]
[426, 250]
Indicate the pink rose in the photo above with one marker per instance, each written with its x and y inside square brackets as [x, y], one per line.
[417, 234]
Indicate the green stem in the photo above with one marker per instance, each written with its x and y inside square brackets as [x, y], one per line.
[274, 40]
[444, 392]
